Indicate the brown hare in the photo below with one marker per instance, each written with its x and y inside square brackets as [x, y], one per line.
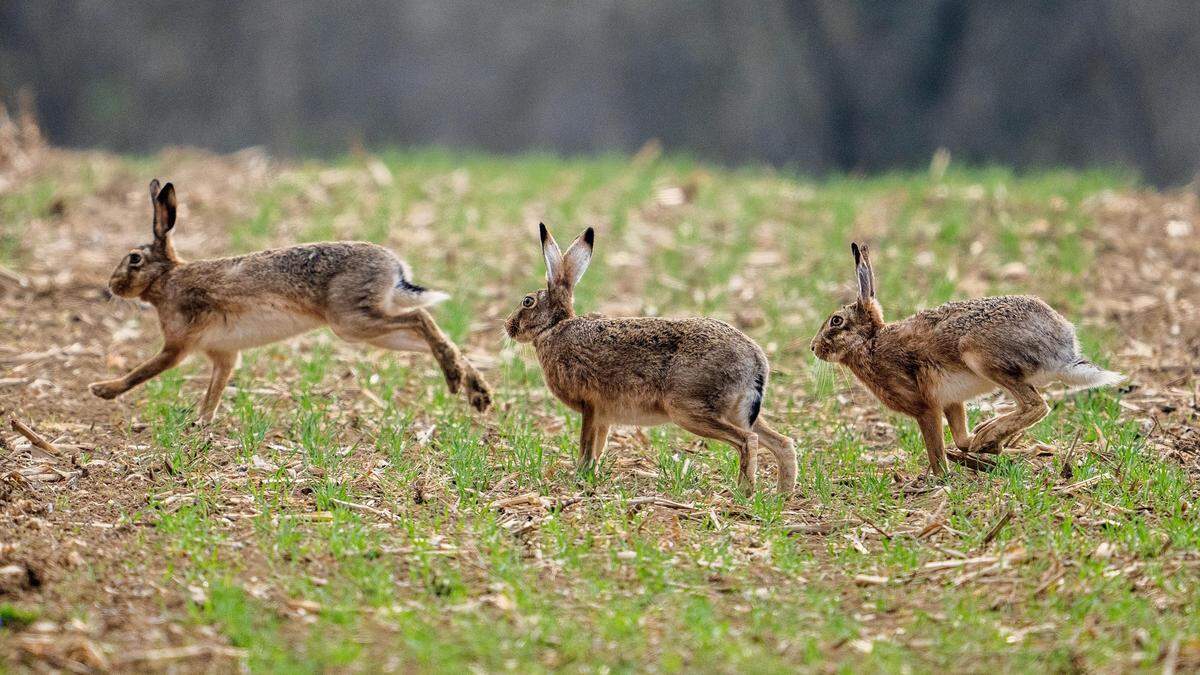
[701, 374]
[222, 306]
[929, 364]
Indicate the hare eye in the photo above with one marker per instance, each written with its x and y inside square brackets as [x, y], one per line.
[836, 321]
[528, 301]
[135, 258]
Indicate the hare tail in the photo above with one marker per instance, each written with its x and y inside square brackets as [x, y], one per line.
[1085, 375]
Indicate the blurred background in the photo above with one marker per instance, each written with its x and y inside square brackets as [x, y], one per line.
[815, 85]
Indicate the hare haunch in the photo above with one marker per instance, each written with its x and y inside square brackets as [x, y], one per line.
[929, 364]
[221, 306]
[701, 374]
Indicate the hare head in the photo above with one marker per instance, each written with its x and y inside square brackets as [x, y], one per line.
[541, 310]
[146, 263]
[852, 326]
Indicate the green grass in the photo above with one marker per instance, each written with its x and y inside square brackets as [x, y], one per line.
[449, 582]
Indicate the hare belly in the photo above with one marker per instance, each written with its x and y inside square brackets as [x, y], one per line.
[635, 418]
[255, 328]
[963, 385]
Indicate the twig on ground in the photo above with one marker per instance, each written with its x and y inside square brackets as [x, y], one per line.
[970, 461]
[527, 498]
[820, 528]
[185, 652]
[366, 509]
[995, 529]
[1068, 468]
[882, 532]
[12, 276]
[1171, 660]
[1075, 487]
[634, 504]
[37, 441]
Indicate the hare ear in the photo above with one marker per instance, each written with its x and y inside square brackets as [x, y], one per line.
[154, 187]
[552, 254]
[866, 276]
[164, 210]
[578, 255]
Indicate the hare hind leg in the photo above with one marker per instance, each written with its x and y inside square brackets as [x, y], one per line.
[992, 435]
[743, 440]
[416, 331]
[784, 451]
[1000, 431]
[956, 416]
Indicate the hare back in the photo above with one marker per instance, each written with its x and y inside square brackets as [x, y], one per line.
[998, 316]
[270, 295]
[1023, 332]
[302, 273]
[638, 368]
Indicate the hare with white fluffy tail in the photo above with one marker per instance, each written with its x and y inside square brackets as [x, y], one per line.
[222, 306]
[929, 364]
[702, 374]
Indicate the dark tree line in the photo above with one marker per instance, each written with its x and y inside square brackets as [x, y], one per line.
[819, 84]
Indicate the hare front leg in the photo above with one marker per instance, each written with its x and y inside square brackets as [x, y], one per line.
[599, 440]
[587, 439]
[223, 364]
[931, 431]
[168, 358]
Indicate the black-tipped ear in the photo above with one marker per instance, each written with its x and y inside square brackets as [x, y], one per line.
[154, 187]
[578, 256]
[862, 267]
[553, 256]
[165, 206]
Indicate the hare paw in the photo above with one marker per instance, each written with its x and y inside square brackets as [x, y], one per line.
[107, 390]
[478, 391]
[985, 443]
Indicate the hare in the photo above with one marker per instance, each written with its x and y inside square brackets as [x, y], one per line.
[701, 374]
[222, 306]
[929, 364]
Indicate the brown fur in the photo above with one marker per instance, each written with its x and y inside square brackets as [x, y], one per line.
[221, 306]
[927, 365]
[701, 374]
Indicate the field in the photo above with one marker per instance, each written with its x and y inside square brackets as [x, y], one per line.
[345, 512]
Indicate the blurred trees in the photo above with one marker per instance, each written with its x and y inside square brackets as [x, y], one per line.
[818, 84]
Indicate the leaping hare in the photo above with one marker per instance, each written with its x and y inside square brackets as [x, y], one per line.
[222, 306]
[701, 374]
[929, 364]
